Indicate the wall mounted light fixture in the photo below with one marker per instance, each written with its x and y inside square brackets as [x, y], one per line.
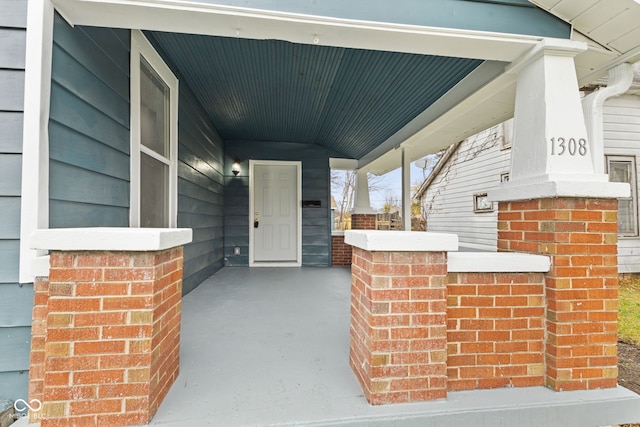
[235, 167]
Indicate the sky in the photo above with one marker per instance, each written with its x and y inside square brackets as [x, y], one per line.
[391, 183]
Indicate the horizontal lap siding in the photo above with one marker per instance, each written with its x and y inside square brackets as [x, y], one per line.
[475, 168]
[15, 300]
[90, 144]
[315, 186]
[89, 127]
[200, 191]
[622, 138]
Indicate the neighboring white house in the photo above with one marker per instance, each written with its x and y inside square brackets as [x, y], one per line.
[454, 200]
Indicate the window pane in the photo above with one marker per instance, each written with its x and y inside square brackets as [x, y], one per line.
[154, 178]
[620, 171]
[625, 216]
[154, 111]
[623, 171]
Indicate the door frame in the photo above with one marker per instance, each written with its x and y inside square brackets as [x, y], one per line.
[298, 165]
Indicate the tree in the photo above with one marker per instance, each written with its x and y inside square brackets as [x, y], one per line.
[343, 188]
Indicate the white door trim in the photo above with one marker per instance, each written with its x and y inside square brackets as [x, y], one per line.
[298, 165]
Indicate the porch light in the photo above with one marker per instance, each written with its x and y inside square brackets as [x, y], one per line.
[235, 167]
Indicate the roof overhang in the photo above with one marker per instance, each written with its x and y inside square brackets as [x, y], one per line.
[453, 117]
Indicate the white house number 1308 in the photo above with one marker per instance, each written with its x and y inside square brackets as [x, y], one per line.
[561, 146]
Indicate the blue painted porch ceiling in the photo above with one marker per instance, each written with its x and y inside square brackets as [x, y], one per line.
[347, 100]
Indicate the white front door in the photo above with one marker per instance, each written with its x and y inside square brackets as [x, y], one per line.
[275, 213]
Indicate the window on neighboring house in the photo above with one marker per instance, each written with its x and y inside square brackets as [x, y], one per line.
[622, 169]
[507, 135]
[481, 203]
[154, 137]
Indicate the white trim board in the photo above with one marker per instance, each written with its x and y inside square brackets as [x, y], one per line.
[229, 21]
[110, 239]
[140, 47]
[298, 165]
[34, 211]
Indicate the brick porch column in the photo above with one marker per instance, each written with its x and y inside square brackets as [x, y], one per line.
[559, 202]
[112, 322]
[398, 332]
[580, 236]
[362, 221]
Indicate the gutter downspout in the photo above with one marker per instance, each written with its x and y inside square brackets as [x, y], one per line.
[620, 79]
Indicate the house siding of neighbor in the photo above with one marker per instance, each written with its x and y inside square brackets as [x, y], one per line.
[474, 167]
[480, 161]
[15, 300]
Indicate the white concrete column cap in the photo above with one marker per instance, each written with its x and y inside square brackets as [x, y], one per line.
[401, 241]
[110, 239]
[497, 262]
[513, 191]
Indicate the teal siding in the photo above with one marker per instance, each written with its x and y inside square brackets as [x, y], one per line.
[503, 16]
[89, 127]
[15, 301]
[315, 186]
[200, 191]
[90, 139]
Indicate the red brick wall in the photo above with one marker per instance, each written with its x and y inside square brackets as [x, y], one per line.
[38, 334]
[580, 235]
[112, 336]
[363, 221]
[398, 325]
[495, 330]
[340, 251]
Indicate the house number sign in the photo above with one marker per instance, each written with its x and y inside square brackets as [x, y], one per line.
[561, 146]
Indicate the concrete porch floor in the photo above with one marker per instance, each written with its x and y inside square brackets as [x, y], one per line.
[270, 346]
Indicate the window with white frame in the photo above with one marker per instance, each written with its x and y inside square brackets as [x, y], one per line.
[623, 169]
[154, 137]
[481, 203]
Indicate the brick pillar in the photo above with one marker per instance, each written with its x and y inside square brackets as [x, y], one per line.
[38, 334]
[112, 336]
[363, 221]
[398, 345]
[340, 251]
[580, 236]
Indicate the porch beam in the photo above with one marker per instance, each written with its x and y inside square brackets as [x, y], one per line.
[232, 21]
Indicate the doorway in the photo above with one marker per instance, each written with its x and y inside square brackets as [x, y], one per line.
[275, 216]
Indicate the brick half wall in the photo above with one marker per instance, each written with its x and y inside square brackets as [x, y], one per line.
[340, 251]
[495, 330]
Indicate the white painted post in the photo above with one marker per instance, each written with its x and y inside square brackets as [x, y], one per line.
[35, 137]
[406, 191]
[551, 154]
[362, 205]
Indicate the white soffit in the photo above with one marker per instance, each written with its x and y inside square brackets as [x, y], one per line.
[614, 24]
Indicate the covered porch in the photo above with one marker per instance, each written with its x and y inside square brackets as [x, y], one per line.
[271, 347]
